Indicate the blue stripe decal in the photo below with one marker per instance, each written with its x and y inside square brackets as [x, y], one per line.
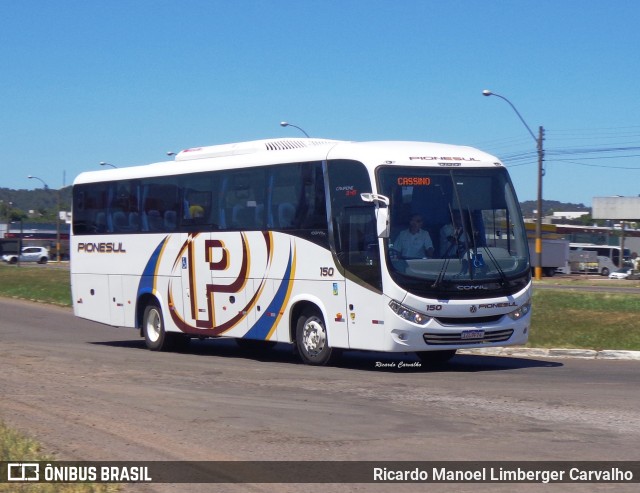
[149, 272]
[265, 323]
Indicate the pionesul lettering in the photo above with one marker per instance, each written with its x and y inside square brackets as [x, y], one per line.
[108, 247]
[498, 305]
[441, 158]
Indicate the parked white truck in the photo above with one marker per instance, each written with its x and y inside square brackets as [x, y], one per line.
[555, 256]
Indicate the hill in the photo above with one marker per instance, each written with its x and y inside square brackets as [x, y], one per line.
[17, 203]
[551, 206]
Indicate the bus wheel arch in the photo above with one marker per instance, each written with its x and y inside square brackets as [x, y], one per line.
[309, 334]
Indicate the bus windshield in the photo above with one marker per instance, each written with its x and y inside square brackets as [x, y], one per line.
[457, 230]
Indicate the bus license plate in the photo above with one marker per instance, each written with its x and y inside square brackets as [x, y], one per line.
[472, 334]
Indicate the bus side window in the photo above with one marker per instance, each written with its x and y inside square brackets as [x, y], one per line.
[237, 201]
[316, 213]
[284, 194]
[243, 200]
[198, 210]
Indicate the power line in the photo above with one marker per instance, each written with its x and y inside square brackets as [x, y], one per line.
[600, 165]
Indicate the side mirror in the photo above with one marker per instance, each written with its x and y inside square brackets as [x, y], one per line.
[382, 212]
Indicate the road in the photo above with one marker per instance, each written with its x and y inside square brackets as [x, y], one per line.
[91, 392]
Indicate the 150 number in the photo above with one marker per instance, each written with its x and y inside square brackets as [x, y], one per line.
[326, 271]
[431, 308]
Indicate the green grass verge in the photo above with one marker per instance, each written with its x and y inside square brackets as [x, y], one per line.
[586, 320]
[16, 447]
[49, 284]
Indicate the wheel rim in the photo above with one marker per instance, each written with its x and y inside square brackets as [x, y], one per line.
[314, 337]
[154, 325]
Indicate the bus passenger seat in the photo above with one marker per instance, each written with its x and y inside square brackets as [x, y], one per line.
[243, 217]
[286, 215]
[155, 220]
[134, 221]
[101, 222]
[120, 222]
[170, 220]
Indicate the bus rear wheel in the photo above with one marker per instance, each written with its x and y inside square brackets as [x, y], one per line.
[436, 358]
[311, 339]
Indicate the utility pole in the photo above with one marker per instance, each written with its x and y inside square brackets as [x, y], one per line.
[538, 268]
[538, 140]
[621, 259]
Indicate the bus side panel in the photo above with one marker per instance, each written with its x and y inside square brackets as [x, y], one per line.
[129, 292]
[264, 314]
[116, 301]
[90, 294]
[366, 317]
[229, 281]
[329, 297]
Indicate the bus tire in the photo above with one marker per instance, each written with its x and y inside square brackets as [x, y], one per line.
[436, 358]
[311, 339]
[605, 272]
[155, 337]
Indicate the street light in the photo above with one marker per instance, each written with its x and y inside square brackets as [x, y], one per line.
[287, 124]
[46, 187]
[538, 140]
[102, 163]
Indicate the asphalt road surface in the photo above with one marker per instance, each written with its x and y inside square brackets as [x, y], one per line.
[92, 392]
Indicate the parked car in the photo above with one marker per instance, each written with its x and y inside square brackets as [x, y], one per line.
[621, 273]
[29, 254]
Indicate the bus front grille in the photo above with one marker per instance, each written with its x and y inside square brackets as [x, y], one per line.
[487, 336]
[467, 320]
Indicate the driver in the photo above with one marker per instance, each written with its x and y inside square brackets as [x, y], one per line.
[414, 242]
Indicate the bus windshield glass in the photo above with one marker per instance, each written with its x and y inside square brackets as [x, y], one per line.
[455, 230]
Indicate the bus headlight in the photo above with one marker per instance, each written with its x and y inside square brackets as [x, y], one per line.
[521, 312]
[409, 314]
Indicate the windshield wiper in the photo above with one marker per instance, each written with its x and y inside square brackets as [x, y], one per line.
[503, 276]
[441, 274]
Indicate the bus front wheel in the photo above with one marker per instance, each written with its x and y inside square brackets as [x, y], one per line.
[311, 339]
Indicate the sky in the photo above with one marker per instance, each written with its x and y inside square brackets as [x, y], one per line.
[126, 81]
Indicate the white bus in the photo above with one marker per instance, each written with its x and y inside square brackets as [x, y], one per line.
[292, 240]
[608, 257]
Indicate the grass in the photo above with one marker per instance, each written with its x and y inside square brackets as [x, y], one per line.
[586, 320]
[49, 284]
[16, 447]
